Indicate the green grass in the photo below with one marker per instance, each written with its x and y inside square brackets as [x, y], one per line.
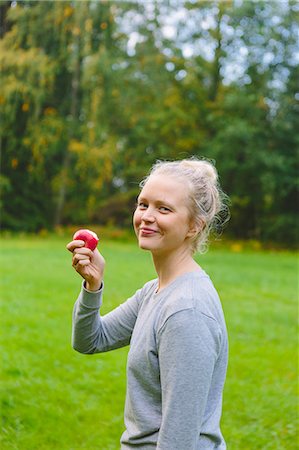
[54, 398]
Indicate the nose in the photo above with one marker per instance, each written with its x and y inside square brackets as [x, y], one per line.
[148, 215]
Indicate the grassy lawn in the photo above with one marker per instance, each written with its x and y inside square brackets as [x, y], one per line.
[53, 398]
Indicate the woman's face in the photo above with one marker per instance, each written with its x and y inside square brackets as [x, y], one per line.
[161, 220]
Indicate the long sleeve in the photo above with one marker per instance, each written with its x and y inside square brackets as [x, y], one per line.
[94, 334]
[188, 346]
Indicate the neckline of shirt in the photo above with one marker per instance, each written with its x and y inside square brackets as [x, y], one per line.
[201, 273]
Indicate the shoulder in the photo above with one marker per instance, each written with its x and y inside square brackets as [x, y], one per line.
[192, 299]
[192, 291]
[191, 330]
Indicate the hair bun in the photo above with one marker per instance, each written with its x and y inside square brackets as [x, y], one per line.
[205, 169]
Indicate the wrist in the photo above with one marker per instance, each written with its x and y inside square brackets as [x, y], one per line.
[93, 286]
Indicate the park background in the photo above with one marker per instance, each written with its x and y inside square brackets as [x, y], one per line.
[92, 93]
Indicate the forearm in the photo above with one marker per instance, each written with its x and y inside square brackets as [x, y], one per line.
[93, 333]
[87, 321]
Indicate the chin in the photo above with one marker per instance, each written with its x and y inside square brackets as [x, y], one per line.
[144, 245]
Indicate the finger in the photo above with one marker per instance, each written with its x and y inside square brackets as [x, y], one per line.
[80, 265]
[77, 258]
[83, 251]
[75, 244]
[83, 263]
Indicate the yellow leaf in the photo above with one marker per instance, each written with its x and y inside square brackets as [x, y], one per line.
[88, 25]
[76, 31]
[14, 163]
[49, 111]
[76, 146]
[68, 11]
[236, 247]
[25, 107]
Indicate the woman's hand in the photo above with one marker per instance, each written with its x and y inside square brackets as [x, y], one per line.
[89, 264]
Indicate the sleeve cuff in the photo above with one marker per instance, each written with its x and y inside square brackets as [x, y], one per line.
[92, 292]
[91, 299]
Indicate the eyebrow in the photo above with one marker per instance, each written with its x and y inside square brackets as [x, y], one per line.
[158, 202]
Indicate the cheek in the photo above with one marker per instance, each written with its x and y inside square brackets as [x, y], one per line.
[136, 220]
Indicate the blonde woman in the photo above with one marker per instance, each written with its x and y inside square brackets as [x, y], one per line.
[174, 324]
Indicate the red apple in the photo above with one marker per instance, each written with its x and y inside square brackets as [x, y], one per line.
[89, 237]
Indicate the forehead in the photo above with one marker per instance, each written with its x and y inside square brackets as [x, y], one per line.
[165, 188]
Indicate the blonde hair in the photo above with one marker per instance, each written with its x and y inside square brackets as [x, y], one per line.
[208, 205]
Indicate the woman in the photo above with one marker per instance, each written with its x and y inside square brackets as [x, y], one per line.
[174, 324]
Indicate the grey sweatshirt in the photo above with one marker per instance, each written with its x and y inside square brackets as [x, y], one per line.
[176, 363]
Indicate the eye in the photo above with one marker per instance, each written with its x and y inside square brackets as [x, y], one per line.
[164, 209]
[141, 205]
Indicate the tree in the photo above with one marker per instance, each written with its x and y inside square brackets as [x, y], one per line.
[95, 92]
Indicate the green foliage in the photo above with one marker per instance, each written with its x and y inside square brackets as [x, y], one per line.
[54, 398]
[95, 92]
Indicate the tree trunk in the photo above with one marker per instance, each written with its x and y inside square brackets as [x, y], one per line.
[216, 77]
[74, 112]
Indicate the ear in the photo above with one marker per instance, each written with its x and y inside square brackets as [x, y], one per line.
[195, 228]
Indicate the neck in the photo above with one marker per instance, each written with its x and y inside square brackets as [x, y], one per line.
[172, 265]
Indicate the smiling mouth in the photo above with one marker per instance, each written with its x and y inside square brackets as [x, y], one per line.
[147, 231]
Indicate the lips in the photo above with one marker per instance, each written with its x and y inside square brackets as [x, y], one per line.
[147, 231]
